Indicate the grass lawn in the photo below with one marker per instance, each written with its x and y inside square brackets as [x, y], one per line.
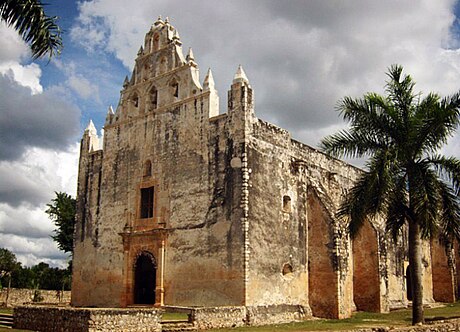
[174, 316]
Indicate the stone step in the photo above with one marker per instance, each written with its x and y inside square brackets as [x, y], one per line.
[177, 326]
[6, 320]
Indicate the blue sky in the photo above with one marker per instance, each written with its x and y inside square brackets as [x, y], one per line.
[301, 57]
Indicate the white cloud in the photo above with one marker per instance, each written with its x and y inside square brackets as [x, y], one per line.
[31, 251]
[77, 82]
[35, 177]
[301, 56]
[83, 87]
[13, 48]
[27, 75]
[12, 51]
[34, 120]
[27, 185]
[37, 153]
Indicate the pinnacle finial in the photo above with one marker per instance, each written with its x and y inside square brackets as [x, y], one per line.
[176, 34]
[167, 20]
[110, 114]
[190, 56]
[240, 75]
[208, 82]
[91, 128]
[159, 21]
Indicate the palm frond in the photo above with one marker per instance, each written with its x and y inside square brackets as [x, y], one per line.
[449, 212]
[398, 211]
[449, 169]
[369, 196]
[400, 90]
[424, 197]
[37, 29]
[439, 119]
[350, 144]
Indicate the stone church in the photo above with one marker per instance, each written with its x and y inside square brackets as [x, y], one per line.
[182, 205]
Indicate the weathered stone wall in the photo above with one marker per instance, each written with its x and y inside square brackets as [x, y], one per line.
[277, 267]
[225, 317]
[287, 179]
[218, 317]
[55, 319]
[20, 296]
[194, 234]
[444, 287]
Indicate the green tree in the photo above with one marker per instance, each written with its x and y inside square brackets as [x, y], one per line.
[407, 181]
[61, 211]
[8, 265]
[36, 28]
[8, 261]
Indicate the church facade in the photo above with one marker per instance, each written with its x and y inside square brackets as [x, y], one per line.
[181, 205]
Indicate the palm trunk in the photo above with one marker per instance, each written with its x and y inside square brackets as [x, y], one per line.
[416, 269]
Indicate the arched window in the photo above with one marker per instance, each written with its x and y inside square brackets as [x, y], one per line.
[286, 204]
[287, 268]
[135, 100]
[154, 97]
[156, 42]
[174, 88]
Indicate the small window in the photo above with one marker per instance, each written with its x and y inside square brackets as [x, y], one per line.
[287, 268]
[175, 89]
[154, 97]
[135, 100]
[287, 204]
[156, 42]
[147, 202]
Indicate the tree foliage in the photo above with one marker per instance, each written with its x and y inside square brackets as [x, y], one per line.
[37, 29]
[8, 262]
[408, 181]
[38, 276]
[61, 211]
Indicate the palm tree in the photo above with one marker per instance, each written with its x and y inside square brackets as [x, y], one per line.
[407, 181]
[36, 28]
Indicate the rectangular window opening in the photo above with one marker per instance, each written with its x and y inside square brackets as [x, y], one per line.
[147, 202]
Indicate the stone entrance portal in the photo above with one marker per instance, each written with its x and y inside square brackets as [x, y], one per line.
[145, 270]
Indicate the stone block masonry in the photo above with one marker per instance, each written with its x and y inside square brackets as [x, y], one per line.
[237, 316]
[55, 319]
[20, 296]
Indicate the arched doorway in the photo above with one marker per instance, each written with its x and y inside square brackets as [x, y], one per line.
[145, 270]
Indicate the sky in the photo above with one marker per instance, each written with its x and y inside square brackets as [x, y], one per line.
[301, 58]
